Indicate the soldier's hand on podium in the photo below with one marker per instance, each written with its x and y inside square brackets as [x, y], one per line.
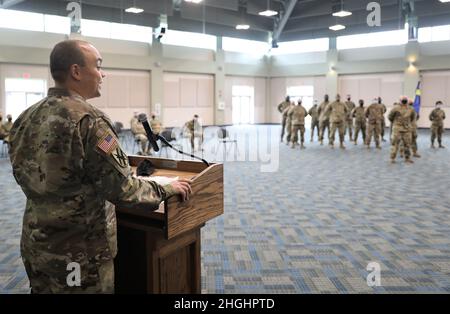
[183, 188]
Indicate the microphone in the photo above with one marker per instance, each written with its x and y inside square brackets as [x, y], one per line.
[148, 130]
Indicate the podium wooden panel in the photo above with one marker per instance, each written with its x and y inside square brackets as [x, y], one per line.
[159, 250]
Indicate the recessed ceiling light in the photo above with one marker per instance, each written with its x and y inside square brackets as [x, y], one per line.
[444, 1]
[268, 13]
[242, 26]
[337, 27]
[343, 13]
[193, 1]
[134, 10]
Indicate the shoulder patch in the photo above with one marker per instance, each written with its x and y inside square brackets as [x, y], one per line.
[107, 143]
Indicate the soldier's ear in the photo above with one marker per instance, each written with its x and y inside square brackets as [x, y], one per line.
[75, 72]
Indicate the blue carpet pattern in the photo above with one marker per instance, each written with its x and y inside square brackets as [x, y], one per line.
[312, 226]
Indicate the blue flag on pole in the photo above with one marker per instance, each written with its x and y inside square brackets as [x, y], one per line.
[417, 99]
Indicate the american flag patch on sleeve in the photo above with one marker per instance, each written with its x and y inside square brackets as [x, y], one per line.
[107, 144]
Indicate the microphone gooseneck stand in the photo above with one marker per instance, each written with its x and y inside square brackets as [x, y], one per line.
[159, 137]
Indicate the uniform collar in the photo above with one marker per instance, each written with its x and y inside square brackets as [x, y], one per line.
[63, 92]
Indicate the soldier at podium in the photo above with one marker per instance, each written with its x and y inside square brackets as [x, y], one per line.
[68, 161]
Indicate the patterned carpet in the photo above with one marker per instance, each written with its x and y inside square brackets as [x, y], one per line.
[310, 227]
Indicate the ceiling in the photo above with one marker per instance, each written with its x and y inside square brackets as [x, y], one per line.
[298, 19]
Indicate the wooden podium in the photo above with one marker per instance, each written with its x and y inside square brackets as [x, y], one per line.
[159, 251]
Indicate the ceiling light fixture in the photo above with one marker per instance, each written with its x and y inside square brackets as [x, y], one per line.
[342, 12]
[268, 12]
[444, 1]
[193, 1]
[337, 27]
[134, 10]
[242, 26]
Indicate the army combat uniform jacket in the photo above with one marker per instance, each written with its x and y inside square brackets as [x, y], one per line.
[67, 159]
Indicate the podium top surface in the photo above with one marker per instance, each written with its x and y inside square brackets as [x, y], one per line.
[176, 217]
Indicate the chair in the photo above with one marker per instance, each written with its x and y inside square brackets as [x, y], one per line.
[4, 149]
[118, 127]
[170, 136]
[224, 138]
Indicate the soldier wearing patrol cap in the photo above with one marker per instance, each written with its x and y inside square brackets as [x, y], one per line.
[67, 159]
[314, 113]
[437, 117]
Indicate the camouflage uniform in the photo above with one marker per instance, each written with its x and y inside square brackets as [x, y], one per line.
[156, 126]
[314, 113]
[2, 131]
[67, 159]
[139, 134]
[195, 130]
[360, 122]
[349, 122]
[437, 117]
[338, 116]
[287, 122]
[383, 122]
[324, 120]
[281, 108]
[401, 117]
[297, 116]
[7, 126]
[374, 115]
[414, 134]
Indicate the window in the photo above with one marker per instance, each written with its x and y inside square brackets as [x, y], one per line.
[252, 47]
[187, 39]
[56, 24]
[390, 38]
[23, 93]
[243, 107]
[21, 20]
[299, 46]
[102, 29]
[437, 33]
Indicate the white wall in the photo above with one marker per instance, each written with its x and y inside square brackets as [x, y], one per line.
[435, 86]
[186, 95]
[259, 84]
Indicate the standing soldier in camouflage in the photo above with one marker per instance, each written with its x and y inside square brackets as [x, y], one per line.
[195, 129]
[2, 131]
[437, 117]
[281, 108]
[360, 121]
[288, 123]
[324, 119]
[297, 116]
[337, 111]
[67, 159]
[374, 115]
[349, 126]
[314, 113]
[401, 117]
[414, 130]
[383, 122]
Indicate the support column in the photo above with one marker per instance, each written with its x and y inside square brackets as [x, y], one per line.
[332, 75]
[412, 73]
[157, 80]
[219, 84]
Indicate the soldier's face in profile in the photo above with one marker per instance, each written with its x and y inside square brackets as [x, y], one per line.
[92, 73]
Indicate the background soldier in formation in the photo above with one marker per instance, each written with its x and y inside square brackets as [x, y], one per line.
[288, 123]
[401, 117]
[437, 117]
[338, 116]
[2, 131]
[374, 115]
[297, 116]
[360, 121]
[350, 106]
[281, 108]
[383, 122]
[414, 130]
[324, 119]
[314, 113]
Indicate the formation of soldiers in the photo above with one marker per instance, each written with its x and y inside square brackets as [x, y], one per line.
[5, 127]
[368, 121]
